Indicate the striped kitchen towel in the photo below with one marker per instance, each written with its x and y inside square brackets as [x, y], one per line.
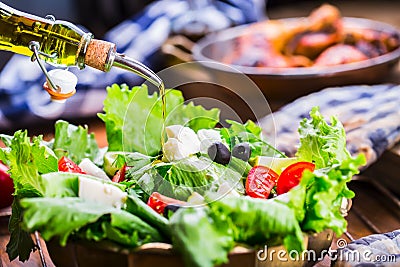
[370, 115]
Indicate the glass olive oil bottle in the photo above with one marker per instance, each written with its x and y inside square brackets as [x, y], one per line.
[63, 44]
[58, 38]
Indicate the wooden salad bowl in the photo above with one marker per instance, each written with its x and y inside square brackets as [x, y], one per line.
[87, 254]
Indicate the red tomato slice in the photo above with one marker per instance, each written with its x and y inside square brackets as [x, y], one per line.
[290, 177]
[67, 165]
[158, 202]
[260, 181]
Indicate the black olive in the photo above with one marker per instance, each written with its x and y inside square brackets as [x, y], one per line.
[219, 153]
[171, 207]
[242, 151]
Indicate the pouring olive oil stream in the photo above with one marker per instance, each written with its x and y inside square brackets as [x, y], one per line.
[62, 44]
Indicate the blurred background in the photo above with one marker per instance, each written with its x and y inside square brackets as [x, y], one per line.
[112, 20]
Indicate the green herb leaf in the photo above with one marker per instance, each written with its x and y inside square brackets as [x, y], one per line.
[250, 133]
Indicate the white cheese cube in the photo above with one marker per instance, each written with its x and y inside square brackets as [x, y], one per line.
[175, 150]
[182, 142]
[101, 193]
[208, 137]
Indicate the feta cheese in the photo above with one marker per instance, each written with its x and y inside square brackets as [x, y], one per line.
[207, 137]
[173, 130]
[182, 142]
[90, 168]
[101, 193]
[175, 150]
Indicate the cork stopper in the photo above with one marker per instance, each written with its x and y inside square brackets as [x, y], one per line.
[99, 54]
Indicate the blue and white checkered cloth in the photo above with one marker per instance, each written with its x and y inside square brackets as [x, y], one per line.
[23, 101]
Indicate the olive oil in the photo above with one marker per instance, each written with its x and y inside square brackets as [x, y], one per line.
[59, 39]
[161, 88]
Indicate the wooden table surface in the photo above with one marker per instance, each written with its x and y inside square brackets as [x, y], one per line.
[386, 213]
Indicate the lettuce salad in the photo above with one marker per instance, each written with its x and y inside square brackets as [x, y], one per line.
[59, 205]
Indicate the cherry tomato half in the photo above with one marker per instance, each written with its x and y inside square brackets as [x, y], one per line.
[260, 181]
[290, 177]
[67, 165]
[158, 202]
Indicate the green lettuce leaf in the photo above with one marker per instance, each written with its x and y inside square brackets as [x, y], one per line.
[181, 178]
[202, 241]
[232, 220]
[21, 244]
[49, 217]
[6, 139]
[3, 155]
[75, 143]
[326, 189]
[295, 200]
[137, 207]
[130, 223]
[133, 118]
[28, 160]
[325, 145]
[194, 117]
[320, 142]
[66, 184]
[259, 221]
[60, 184]
[115, 160]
